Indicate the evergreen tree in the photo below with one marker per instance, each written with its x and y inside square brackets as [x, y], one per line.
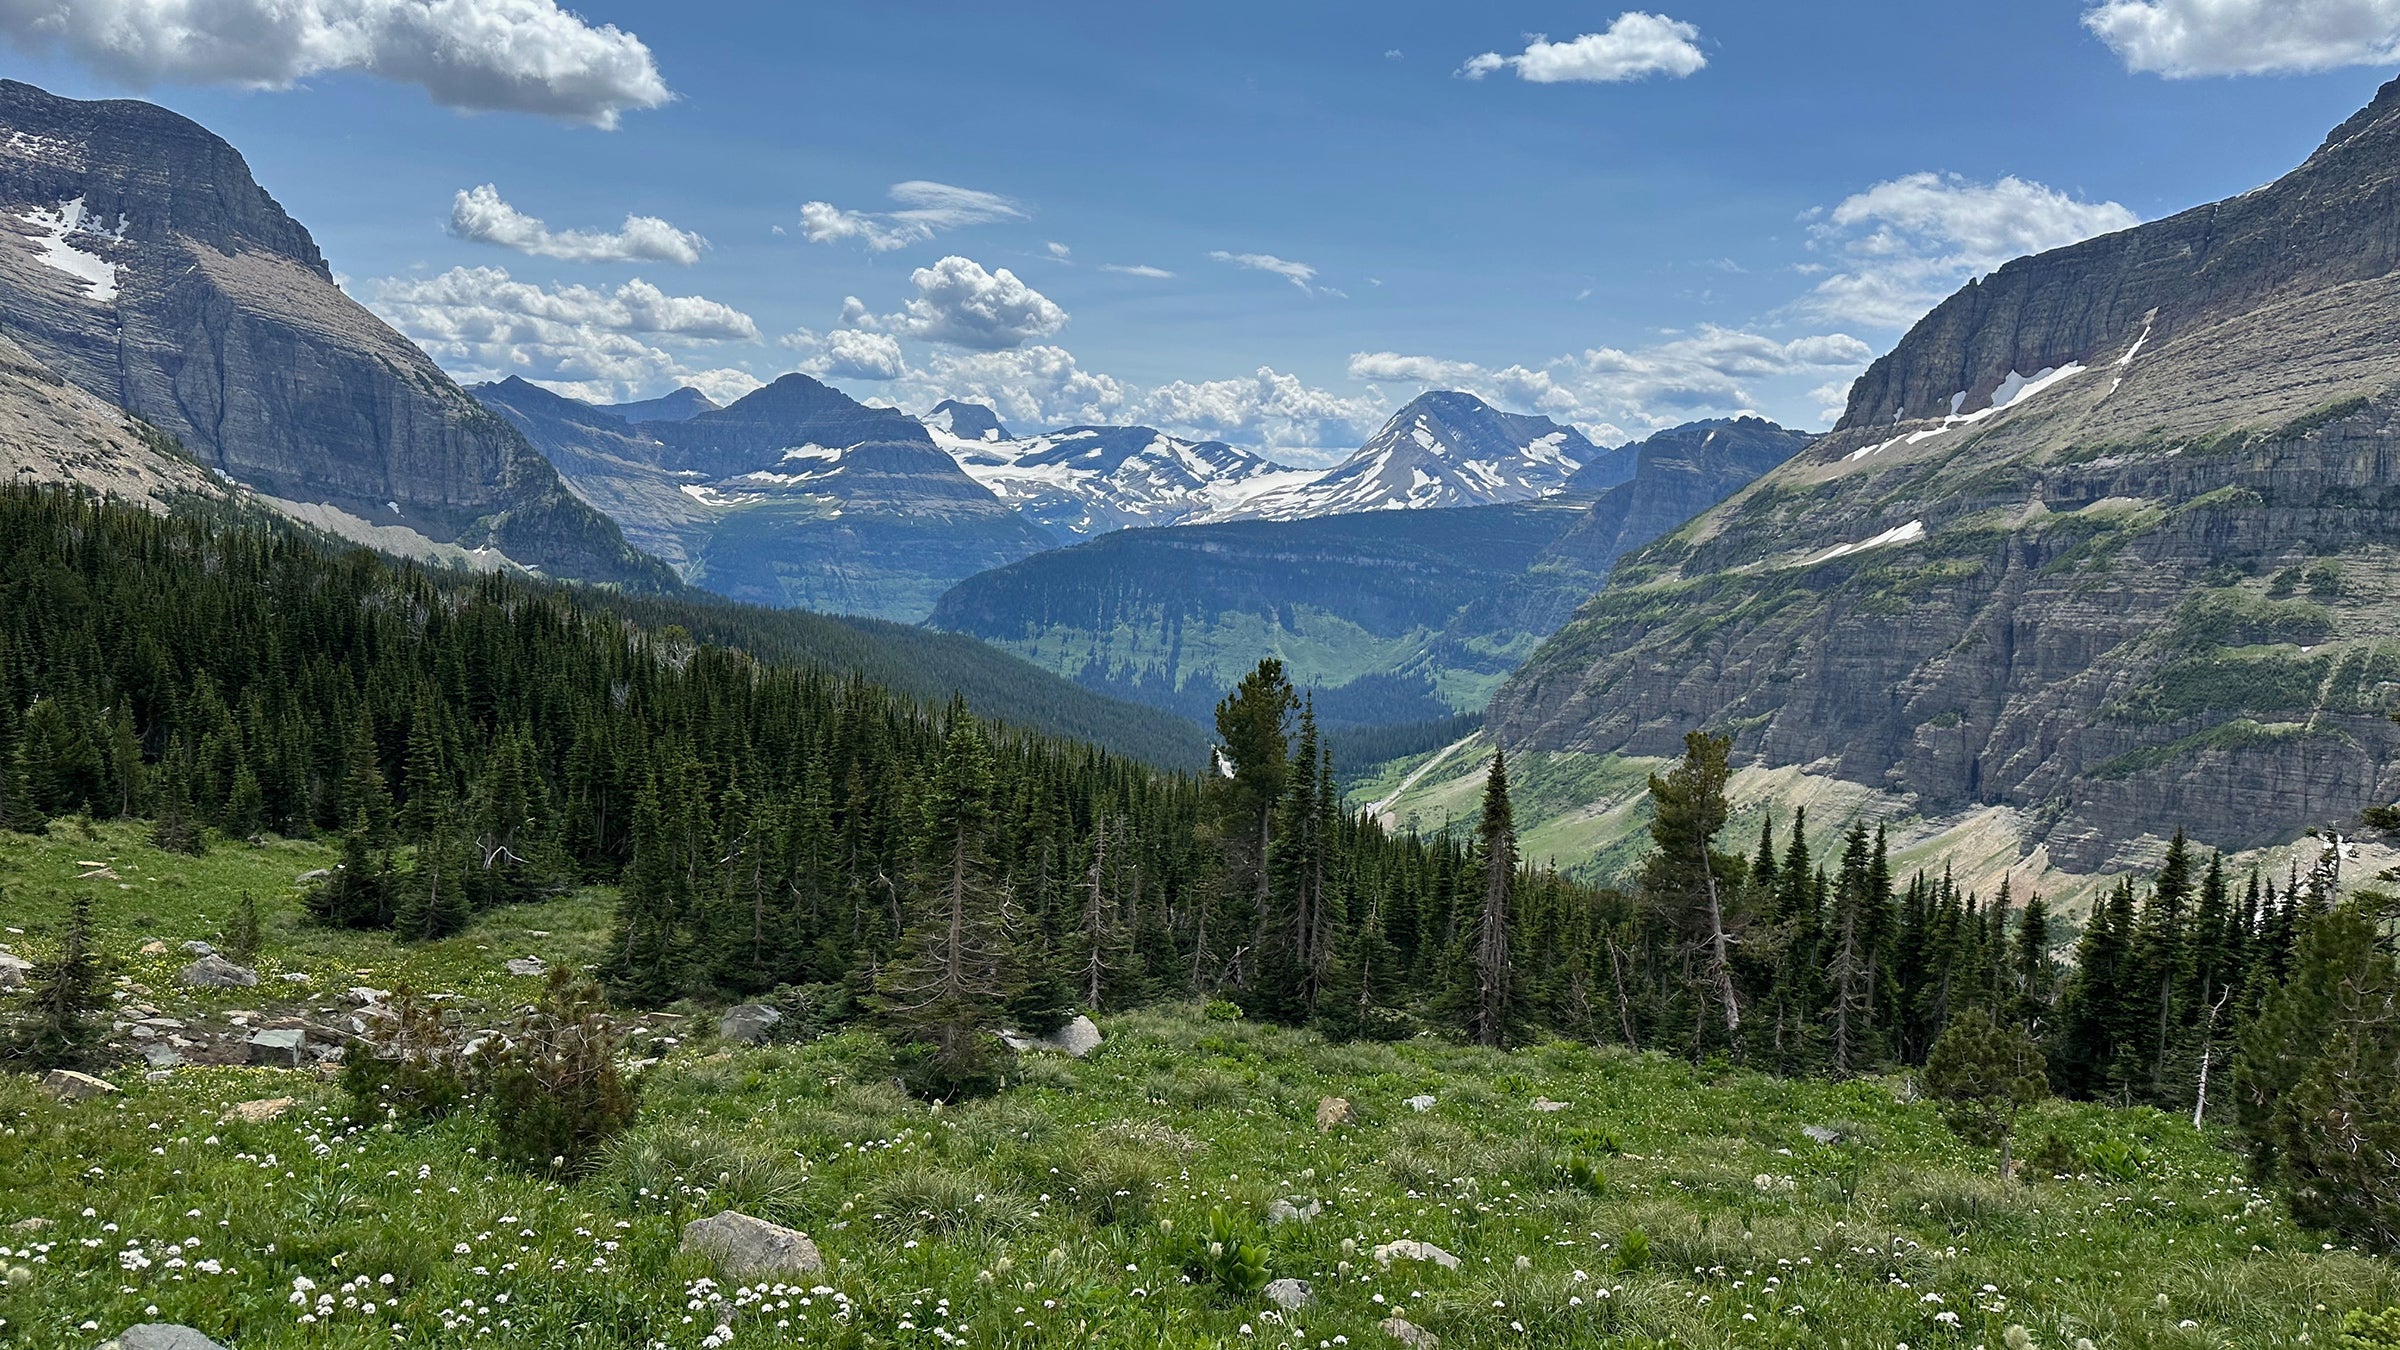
[1686, 881]
[1496, 838]
[1984, 1076]
[67, 995]
[946, 989]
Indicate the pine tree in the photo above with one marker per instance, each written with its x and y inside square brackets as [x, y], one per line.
[67, 995]
[1685, 880]
[1984, 1076]
[1496, 838]
[1254, 756]
[946, 989]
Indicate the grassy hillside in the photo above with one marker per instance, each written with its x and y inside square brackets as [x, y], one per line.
[1656, 1205]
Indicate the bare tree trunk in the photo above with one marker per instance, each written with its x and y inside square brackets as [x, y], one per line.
[1624, 1004]
[2208, 1036]
[1720, 953]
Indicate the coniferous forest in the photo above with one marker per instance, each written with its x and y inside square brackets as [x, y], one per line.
[781, 831]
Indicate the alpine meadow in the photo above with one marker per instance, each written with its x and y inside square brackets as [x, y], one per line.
[1220, 676]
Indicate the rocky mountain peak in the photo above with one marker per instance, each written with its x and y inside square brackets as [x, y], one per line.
[684, 403]
[966, 421]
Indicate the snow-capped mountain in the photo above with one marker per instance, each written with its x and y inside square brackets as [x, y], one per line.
[1090, 480]
[1445, 449]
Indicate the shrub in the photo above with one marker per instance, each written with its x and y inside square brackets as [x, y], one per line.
[1229, 1256]
[243, 934]
[65, 996]
[409, 1066]
[555, 1090]
[2370, 1331]
[1984, 1075]
[1222, 1010]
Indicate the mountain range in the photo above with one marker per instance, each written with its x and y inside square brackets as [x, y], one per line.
[1390, 616]
[2108, 546]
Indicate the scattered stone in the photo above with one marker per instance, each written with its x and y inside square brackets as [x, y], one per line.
[748, 1023]
[1409, 1334]
[195, 947]
[161, 1055]
[295, 977]
[68, 1085]
[1294, 1209]
[365, 997]
[155, 947]
[212, 971]
[1288, 1294]
[32, 1225]
[1821, 1134]
[745, 1248]
[1075, 1040]
[161, 1336]
[1423, 1101]
[259, 1112]
[283, 1049]
[12, 972]
[1545, 1104]
[1409, 1249]
[319, 874]
[1332, 1111]
[527, 965]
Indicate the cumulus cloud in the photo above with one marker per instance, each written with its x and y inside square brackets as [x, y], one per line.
[850, 354]
[1269, 410]
[476, 55]
[960, 304]
[1901, 246]
[925, 210]
[1299, 274]
[481, 215]
[1635, 46]
[2181, 39]
[1611, 393]
[481, 323]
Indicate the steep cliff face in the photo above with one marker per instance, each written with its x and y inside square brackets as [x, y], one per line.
[140, 260]
[52, 432]
[2138, 569]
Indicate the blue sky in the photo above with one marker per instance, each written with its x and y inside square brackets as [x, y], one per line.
[1759, 204]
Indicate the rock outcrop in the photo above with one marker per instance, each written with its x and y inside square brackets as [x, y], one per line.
[141, 262]
[2128, 562]
[745, 1248]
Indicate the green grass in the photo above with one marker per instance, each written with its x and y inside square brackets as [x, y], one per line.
[1056, 1212]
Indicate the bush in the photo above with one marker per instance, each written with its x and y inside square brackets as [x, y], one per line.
[243, 934]
[66, 995]
[1229, 1256]
[1222, 1010]
[1984, 1075]
[809, 1011]
[2370, 1331]
[409, 1065]
[552, 1078]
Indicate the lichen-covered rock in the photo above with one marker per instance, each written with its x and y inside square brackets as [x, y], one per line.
[748, 1023]
[1331, 1113]
[68, 1085]
[1410, 1249]
[212, 971]
[1288, 1294]
[745, 1248]
[1077, 1039]
[1409, 1334]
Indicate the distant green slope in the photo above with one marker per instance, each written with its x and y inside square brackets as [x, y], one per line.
[1172, 617]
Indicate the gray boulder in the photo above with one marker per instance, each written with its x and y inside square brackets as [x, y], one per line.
[745, 1248]
[285, 1049]
[12, 973]
[161, 1336]
[528, 965]
[1821, 1134]
[1294, 1209]
[212, 971]
[196, 947]
[1409, 1333]
[1423, 1101]
[1075, 1040]
[161, 1055]
[748, 1023]
[1288, 1294]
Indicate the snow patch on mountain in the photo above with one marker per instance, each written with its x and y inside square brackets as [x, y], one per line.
[68, 238]
[1444, 449]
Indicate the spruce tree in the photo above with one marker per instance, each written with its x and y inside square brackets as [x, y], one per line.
[946, 989]
[1496, 851]
[66, 996]
[1685, 881]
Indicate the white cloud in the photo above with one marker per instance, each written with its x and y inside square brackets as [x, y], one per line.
[1268, 411]
[481, 323]
[1299, 274]
[478, 55]
[850, 354]
[1137, 270]
[2185, 38]
[1902, 246]
[926, 209]
[960, 304]
[480, 214]
[1059, 251]
[1036, 386]
[1605, 390]
[1636, 45]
